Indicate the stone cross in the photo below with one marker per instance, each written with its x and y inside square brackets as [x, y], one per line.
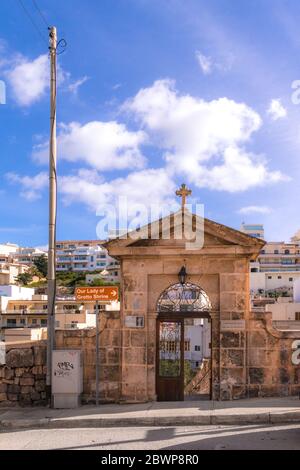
[183, 192]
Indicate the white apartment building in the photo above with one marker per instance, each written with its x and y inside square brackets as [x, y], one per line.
[27, 255]
[8, 249]
[9, 271]
[254, 230]
[81, 255]
[197, 341]
[276, 268]
[15, 260]
[278, 264]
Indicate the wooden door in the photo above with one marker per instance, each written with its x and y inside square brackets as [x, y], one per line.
[170, 360]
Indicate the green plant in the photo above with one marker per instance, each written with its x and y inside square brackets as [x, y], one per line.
[24, 279]
[41, 263]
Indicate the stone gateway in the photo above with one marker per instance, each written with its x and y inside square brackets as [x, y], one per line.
[176, 290]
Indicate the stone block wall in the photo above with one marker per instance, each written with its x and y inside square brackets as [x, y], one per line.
[23, 377]
[270, 371]
[109, 356]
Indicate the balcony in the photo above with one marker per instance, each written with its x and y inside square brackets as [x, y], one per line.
[277, 255]
[69, 312]
[15, 312]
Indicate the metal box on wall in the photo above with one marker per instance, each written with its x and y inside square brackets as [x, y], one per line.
[67, 378]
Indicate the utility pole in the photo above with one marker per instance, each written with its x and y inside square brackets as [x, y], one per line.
[97, 352]
[52, 212]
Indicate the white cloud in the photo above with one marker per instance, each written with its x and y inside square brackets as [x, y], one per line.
[150, 186]
[276, 110]
[31, 185]
[203, 140]
[74, 87]
[205, 63]
[146, 187]
[238, 171]
[102, 145]
[29, 79]
[255, 210]
[209, 65]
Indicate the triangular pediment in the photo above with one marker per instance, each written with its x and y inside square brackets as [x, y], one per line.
[209, 240]
[176, 229]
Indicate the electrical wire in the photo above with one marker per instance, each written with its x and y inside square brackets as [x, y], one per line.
[32, 21]
[40, 13]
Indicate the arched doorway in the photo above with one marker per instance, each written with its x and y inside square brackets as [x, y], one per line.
[183, 343]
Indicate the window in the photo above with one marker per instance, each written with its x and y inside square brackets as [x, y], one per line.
[70, 307]
[279, 277]
[183, 297]
[23, 307]
[168, 346]
[291, 279]
[297, 316]
[22, 321]
[286, 252]
[262, 252]
[197, 347]
[187, 345]
[276, 252]
[34, 321]
[11, 322]
[43, 322]
[100, 307]
[269, 277]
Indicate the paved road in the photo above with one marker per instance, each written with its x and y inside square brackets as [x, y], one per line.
[151, 438]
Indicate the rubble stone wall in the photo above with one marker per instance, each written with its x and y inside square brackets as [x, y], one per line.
[23, 377]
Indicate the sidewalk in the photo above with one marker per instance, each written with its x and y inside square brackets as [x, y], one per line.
[256, 410]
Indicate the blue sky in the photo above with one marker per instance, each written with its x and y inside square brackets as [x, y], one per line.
[151, 94]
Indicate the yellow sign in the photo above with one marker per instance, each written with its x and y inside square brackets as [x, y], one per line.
[105, 293]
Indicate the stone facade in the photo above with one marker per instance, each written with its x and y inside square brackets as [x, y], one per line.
[270, 371]
[109, 356]
[23, 377]
[221, 269]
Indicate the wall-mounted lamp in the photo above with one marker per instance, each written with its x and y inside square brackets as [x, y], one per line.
[182, 275]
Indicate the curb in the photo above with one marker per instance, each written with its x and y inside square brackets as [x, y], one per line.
[62, 423]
